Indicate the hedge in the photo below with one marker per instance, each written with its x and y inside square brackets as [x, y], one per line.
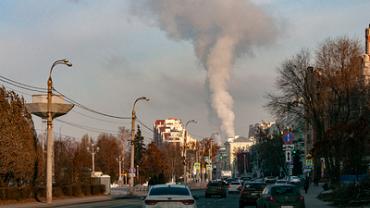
[21, 193]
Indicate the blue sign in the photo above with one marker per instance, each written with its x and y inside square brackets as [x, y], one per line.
[288, 138]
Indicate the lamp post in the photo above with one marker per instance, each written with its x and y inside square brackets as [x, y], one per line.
[133, 119]
[50, 144]
[210, 155]
[184, 149]
[93, 150]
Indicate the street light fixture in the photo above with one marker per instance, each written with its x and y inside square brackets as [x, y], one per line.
[210, 154]
[133, 119]
[184, 149]
[93, 150]
[49, 162]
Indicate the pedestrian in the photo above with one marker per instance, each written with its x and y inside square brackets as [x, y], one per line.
[306, 184]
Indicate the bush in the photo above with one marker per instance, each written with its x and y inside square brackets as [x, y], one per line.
[15, 193]
[97, 189]
[76, 190]
[57, 191]
[67, 190]
[86, 189]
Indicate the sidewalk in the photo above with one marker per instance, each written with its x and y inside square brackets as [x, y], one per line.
[311, 199]
[59, 202]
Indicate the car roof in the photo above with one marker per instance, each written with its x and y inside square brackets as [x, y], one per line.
[285, 184]
[169, 185]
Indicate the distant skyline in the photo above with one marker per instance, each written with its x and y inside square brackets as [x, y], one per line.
[118, 55]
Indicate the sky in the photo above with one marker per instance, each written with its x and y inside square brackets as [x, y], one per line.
[123, 49]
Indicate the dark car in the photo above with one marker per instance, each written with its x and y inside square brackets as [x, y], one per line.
[218, 188]
[281, 195]
[250, 193]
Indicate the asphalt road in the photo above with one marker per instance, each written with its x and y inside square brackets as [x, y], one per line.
[232, 200]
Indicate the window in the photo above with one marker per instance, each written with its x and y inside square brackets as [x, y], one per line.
[169, 191]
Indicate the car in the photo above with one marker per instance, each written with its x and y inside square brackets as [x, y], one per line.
[281, 195]
[250, 192]
[294, 180]
[270, 179]
[234, 186]
[169, 195]
[281, 181]
[218, 188]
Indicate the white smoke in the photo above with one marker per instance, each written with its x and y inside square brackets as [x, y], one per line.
[220, 31]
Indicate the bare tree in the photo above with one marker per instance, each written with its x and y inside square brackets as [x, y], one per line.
[327, 97]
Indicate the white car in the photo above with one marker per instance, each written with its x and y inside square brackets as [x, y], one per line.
[234, 186]
[294, 179]
[169, 195]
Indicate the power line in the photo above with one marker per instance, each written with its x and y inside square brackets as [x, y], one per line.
[26, 85]
[89, 109]
[44, 90]
[95, 118]
[145, 126]
[18, 91]
[88, 128]
[22, 86]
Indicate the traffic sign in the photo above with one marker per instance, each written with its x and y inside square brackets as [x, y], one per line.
[288, 138]
[197, 166]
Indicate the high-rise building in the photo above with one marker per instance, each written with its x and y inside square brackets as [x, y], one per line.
[170, 130]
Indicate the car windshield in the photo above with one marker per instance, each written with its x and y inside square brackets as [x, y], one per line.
[169, 191]
[284, 190]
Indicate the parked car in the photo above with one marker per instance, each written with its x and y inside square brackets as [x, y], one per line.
[218, 188]
[294, 180]
[169, 195]
[281, 195]
[270, 179]
[282, 181]
[234, 186]
[250, 192]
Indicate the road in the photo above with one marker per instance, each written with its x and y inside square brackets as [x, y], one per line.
[232, 200]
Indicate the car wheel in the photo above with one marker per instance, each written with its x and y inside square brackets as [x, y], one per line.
[207, 196]
[224, 196]
[241, 205]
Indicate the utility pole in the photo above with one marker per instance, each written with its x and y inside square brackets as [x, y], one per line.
[245, 170]
[49, 110]
[184, 149]
[93, 150]
[210, 160]
[133, 120]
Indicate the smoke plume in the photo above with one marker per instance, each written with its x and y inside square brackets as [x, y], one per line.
[220, 31]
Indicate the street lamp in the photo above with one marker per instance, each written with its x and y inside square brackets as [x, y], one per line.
[93, 150]
[133, 119]
[49, 162]
[210, 154]
[184, 149]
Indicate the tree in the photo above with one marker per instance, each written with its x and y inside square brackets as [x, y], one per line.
[326, 96]
[155, 165]
[139, 146]
[107, 157]
[18, 142]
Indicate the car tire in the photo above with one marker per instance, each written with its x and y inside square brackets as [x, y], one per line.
[241, 205]
[223, 196]
[207, 196]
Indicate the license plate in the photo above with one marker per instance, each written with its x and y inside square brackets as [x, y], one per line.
[254, 194]
[286, 206]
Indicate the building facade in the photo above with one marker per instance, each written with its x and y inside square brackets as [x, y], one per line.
[170, 130]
